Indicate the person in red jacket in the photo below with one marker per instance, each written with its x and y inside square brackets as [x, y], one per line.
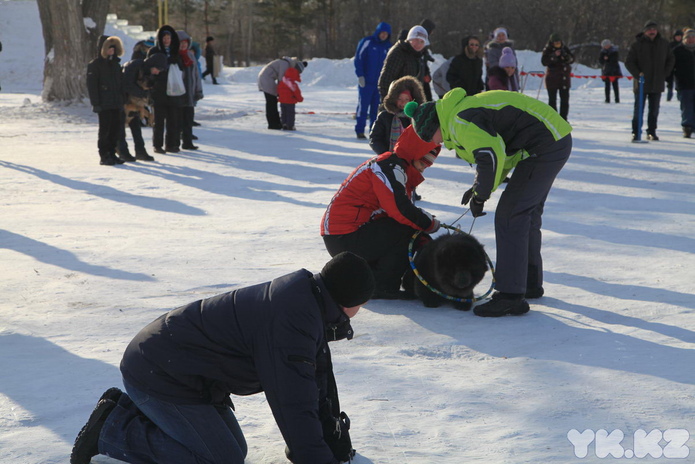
[372, 213]
[289, 95]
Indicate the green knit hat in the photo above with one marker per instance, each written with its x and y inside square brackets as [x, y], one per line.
[425, 120]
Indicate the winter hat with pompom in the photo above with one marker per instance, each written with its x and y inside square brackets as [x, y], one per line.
[300, 65]
[507, 60]
[425, 120]
[349, 279]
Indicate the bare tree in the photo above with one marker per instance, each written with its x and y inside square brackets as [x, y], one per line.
[70, 32]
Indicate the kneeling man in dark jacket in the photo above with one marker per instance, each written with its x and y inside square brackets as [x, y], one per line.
[179, 371]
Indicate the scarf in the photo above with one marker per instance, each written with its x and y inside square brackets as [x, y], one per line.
[186, 57]
[396, 129]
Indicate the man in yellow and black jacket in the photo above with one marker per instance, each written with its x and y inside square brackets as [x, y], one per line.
[501, 131]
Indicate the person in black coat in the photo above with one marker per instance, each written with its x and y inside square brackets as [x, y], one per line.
[138, 76]
[610, 69]
[168, 110]
[210, 59]
[405, 58]
[684, 73]
[466, 69]
[105, 87]
[558, 59]
[650, 57]
[180, 369]
[392, 121]
[676, 40]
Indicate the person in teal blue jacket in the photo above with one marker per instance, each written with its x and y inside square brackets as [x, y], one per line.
[502, 132]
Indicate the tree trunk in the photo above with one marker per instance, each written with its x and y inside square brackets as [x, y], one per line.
[70, 37]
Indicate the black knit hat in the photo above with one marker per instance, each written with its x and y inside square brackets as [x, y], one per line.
[349, 279]
[425, 120]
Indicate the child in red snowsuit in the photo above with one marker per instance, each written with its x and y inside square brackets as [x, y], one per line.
[289, 95]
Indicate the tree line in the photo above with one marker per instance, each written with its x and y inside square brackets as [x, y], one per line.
[256, 31]
[250, 32]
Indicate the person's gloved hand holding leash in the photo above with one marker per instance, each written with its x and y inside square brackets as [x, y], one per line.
[476, 206]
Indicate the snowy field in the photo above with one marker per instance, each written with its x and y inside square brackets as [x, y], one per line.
[89, 254]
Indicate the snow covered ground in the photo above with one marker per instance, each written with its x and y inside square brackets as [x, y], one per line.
[89, 254]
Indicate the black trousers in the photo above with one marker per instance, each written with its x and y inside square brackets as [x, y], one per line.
[187, 116]
[383, 244]
[564, 101]
[109, 131]
[167, 117]
[209, 66]
[608, 85]
[652, 101]
[518, 218]
[271, 111]
[136, 131]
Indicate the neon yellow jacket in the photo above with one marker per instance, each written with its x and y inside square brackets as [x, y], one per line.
[495, 130]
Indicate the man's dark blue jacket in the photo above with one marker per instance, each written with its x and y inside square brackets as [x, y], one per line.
[260, 338]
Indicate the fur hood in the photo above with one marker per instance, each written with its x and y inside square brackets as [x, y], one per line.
[399, 85]
[468, 52]
[174, 46]
[112, 41]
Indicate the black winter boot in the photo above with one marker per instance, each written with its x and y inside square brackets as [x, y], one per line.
[143, 156]
[87, 441]
[502, 304]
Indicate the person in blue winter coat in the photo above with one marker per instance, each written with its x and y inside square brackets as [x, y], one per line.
[179, 371]
[369, 58]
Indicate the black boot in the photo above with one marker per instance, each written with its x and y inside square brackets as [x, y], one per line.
[687, 131]
[143, 156]
[87, 441]
[106, 159]
[127, 157]
[502, 304]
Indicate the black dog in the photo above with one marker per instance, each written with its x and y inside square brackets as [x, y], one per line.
[453, 264]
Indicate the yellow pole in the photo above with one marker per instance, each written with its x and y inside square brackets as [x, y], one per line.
[166, 11]
[159, 13]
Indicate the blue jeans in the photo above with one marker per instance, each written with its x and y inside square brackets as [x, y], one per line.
[144, 429]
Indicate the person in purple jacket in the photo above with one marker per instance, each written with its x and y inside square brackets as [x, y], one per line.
[180, 370]
[369, 58]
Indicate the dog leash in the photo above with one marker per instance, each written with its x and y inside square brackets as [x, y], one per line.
[460, 217]
[424, 282]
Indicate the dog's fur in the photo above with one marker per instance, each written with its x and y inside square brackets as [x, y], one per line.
[453, 264]
[139, 105]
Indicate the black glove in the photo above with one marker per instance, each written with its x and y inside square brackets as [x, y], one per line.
[467, 195]
[337, 436]
[477, 207]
